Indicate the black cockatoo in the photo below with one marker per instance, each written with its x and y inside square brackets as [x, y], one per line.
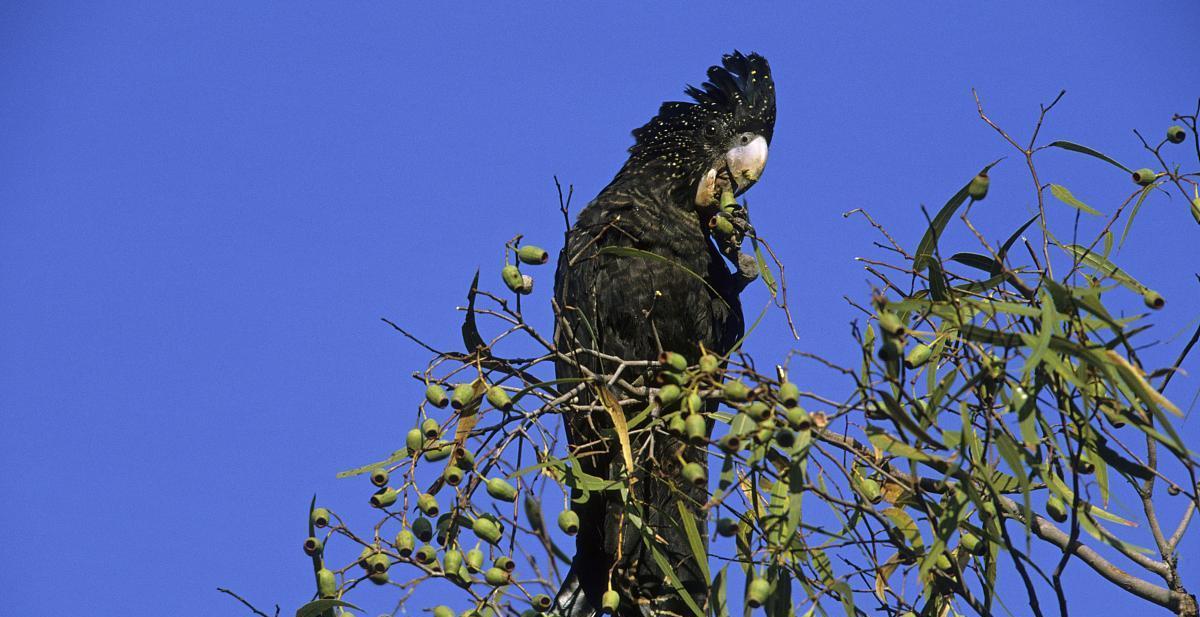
[634, 307]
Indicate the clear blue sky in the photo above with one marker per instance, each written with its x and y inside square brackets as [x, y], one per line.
[205, 208]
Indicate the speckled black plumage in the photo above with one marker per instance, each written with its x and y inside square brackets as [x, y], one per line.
[635, 307]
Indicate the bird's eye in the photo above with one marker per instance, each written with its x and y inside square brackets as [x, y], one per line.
[710, 129]
[744, 139]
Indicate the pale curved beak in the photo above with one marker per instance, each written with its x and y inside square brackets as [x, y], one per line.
[746, 162]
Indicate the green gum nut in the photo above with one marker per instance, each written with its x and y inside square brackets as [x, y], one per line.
[364, 555]
[971, 543]
[891, 348]
[609, 602]
[676, 425]
[720, 224]
[756, 595]
[384, 497]
[668, 395]
[498, 398]
[785, 438]
[1176, 134]
[735, 391]
[890, 323]
[319, 517]
[463, 395]
[443, 611]
[918, 356]
[414, 440]
[512, 278]
[978, 188]
[485, 529]
[709, 363]
[693, 473]
[727, 199]
[870, 490]
[788, 393]
[533, 255]
[378, 563]
[542, 602]
[505, 563]
[666, 377]
[464, 458]
[1056, 509]
[312, 546]
[502, 490]
[425, 555]
[430, 428]
[436, 395]
[422, 529]
[379, 477]
[943, 563]
[727, 527]
[568, 522]
[474, 560]
[1153, 299]
[379, 578]
[496, 577]
[326, 583]
[1144, 176]
[693, 403]
[730, 443]
[758, 410]
[452, 475]
[673, 361]
[405, 543]
[798, 419]
[696, 429]
[439, 451]
[427, 504]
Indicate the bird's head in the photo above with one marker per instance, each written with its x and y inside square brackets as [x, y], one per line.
[719, 141]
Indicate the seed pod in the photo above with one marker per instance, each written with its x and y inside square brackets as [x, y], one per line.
[486, 530]
[609, 602]
[505, 563]
[474, 559]
[869, 487]
[443, 611]
[757, 594]
[673, 361]
[1153, 299]
[379, 477]
[499, 489]
[971, 543]
[663, 378]
[1083, 464]
[943, 563]
[709, 363]
[676, 425]
[788, 394]
[364, 555]
[758, 410]
[668, 394]
[728, 200]
[696, 429]
[452, 475]
[464, 459]
[496, 577]
[426, 554]
[978, 188]
[533, 255]
[405, 543]
[319, 517]
[326, 583]
[463, 395]
[512, 278]
[1176, 134]
[438, 451]
[730, 443]
[498, 398]
[692, 403]
[427, 504]
[693, 473]
[798, 419]
[891, 348]
[312, 546]
[727, 527]
[436, 395]
[430, 428]
[735, 391]
[422, 529]
[785, 438]
[1056, 509]
[891, 324]
[719, 224]
[378, 563]
[873, 410]
[384, 497]
[542, 602]
[918, 356]
[568, 521]
[414, 440]
[1144, 176]
[1173, 489]
[452, 561]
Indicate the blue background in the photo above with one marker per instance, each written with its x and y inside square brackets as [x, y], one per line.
[205, 208]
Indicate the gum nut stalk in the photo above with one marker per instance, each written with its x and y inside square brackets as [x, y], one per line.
[727, 527]
[405, 543]
[312, 546]
[730, 443]
[379, 477]
[1144, 176]
[427, 504]
[430, 428]
[443, 611]
[720, 224]
[1056, 509]
[384, 497]
[378, 563]
[1176, 134]
[1196, 209]
[693, 473]
[709, 363]
[696, 429]
[891, 324]
[676, 425]
[485, 529]
[692, 403]
[971, 543]
[422, 529]
[319, 517]
[496, 577]
[668, 394]
[533, 255]
[735, 391]
[505, 563]
[453, 475]
[788, 393]
[463, 395]
[978, 189]
[673, 361]
[542, 602]
[568, 522]
[727, 199]
[498, 398]
[798, 419]
[918, 356]
[436, 395]
[326, 583]
[757, 594]
[474, 560]
[1153, 299]
[609, 602]
[512, 277]
[414, 440]
[426, 554]
[498, 488]
[439, 451]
